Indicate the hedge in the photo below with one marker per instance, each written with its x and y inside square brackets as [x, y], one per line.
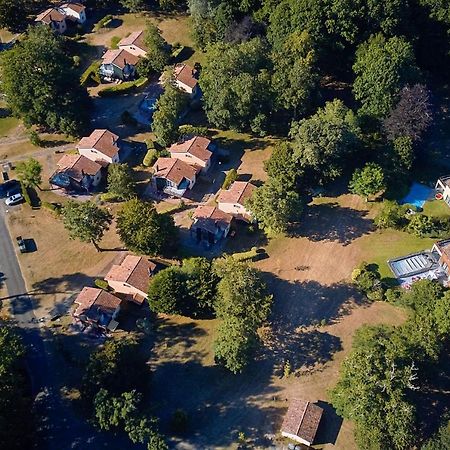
[91, 73]
[101, 284]
[103, 22]
[122, 88]
[54, 207]
[150, 157]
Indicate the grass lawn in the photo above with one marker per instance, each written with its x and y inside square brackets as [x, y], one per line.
[382, 245]
[7, 125]
[436, 208]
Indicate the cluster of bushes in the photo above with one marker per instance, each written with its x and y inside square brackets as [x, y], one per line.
[91, 74]
[367, 279]
[393, 215]
[123, 88]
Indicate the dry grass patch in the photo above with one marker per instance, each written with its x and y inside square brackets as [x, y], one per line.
[59, 267]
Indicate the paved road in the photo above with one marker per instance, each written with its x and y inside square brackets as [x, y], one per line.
[59, 428]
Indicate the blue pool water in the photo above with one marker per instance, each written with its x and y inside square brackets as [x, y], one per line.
[418, 195]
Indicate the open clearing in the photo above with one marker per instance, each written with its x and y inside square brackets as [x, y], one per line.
[315, 315]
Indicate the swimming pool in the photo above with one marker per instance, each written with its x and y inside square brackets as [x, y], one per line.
[418, 195]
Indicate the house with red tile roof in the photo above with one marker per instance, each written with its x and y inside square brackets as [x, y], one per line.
[118, 64]
[173, 176]
[210, 224]
[134, 44]
[76, 173]
[101, 146]
[53, 18]
[74, 11]
[301, 421]
[97, 308]
[186, 79]
[131, 277]
[196, 151]
[232, 200]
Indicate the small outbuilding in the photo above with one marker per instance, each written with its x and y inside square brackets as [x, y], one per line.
[134, 44]
[301, 421]
[196, 151]
[233, 200]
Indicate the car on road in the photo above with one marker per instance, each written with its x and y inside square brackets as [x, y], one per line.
[14, 200]
[9, 188]
[21, 244]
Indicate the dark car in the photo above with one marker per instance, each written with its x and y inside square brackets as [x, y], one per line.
[21, 244]
[9, 188]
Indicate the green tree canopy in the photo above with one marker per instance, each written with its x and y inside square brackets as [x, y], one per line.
[41, 85]
[143, 230]
[168, 292]
[382, 68]
[368, 181]
[120, 181]
[294, 77]
[86, 221]
[16, 430]
[375, 380]
[323, 142]
[13, 14]
[243, 304]
[29, 172]
[168, 110]
[236, 85]
[274, 206]
[158, 51]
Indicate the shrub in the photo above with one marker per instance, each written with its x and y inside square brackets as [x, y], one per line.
[103, 22]
[420, 225]
[368, 280]
[25, 194]
[246, 256]
[35, 138]
[150, 158]
[150, 144]
[114, 44]
[54, 207]
[101, 284]
[391, 215]
[91, 73]
[76, 61]
[122, 88]
[191, 130]
[230, 178]
[109, 197]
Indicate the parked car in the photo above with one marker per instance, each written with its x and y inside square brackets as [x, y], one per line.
[9, 188]
[14, 200]
[21, 244]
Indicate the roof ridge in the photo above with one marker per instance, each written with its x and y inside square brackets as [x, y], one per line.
[302, 418]
[135, 266]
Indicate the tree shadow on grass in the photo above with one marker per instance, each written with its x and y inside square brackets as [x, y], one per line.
[64, 284]
[332, 222]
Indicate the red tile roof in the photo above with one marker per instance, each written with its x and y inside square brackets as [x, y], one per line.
[93, 302]
[50, 15]
[196, 146]
[134, 270]
[101, 140]
[136, 39]
[238, 193]
[77, 7]
[77, 165]
[210, 218]
[302, 419]
[174, 170]
[185, 74]
[120, 58]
